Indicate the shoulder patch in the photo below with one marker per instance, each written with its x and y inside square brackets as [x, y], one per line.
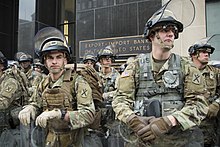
[125, 74]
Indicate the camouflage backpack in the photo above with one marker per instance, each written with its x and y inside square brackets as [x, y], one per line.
[95, 82]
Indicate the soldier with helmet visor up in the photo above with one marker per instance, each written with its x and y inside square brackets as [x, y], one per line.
[150, 97]
[64, 96]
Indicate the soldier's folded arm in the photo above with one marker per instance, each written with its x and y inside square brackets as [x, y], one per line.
[193, 112]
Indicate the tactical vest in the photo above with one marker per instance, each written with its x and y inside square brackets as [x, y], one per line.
[109, 82]
[169, 91]
[60, 97]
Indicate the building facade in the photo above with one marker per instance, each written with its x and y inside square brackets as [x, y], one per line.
[84, 21]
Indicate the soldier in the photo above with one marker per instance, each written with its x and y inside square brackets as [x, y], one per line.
[13, 95]
[37, 74]
[200, 53]
[64, 96]
[152, 85]
[109, 77]
[108, 74]
[89, 60]
[25, 60]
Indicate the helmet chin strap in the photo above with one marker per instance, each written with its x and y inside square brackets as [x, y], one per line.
[161, 43]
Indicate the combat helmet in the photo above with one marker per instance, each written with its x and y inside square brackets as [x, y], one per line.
[162, 18]
[50, 39]
[89, 57]
[106, 52]
[201, 45]
[25, 58]
[3, 60]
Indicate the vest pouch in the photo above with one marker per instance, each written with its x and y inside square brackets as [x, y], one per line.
[169, 107]
[64, 139]
[57, 98]
[59, 125]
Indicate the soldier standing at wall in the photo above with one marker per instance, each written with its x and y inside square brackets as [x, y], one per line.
[13, 95]
[209, 77]
[109, 77]
[152, 85]
[64, 96]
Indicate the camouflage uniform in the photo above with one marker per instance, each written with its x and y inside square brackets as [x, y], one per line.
[188, 111]
[208, 77]
[109, 88]
[64, 97]
[73, 93]
[211, 77]
[13, 95]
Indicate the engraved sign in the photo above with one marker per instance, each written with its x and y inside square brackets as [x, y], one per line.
[131, 45]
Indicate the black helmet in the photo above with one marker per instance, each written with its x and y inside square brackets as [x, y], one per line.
[50, 39]
[25, 58]
[162, 18]
[3, 60]
[202, 44]
[89, 57]
[37, 62]
[106, 52]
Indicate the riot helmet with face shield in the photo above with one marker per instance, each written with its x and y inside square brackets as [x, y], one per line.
[169, 17]
[201, 45]
[50, 39]
[166, 22]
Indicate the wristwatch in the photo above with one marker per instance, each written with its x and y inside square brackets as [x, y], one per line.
[63, 113]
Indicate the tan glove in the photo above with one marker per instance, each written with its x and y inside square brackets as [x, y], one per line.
[213, 110]
[28, 113]
[156, 128]
[41, 120]
[136, 122]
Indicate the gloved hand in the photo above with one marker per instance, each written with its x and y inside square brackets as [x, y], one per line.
[105, 96]
[28, 113]
[156, 128]
[136, 122]
[41, 120]
[213, 110]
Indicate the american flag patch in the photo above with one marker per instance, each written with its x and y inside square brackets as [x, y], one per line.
[125, 74]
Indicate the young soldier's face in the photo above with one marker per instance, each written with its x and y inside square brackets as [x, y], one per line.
[55, 62]
[203, 57]
[89, 63]
[25, 64]
[106, 61]
[164, 38]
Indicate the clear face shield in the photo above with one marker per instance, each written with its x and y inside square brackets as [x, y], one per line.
[180, 13]
[211, 45]
[183, 14]
[48, 37]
